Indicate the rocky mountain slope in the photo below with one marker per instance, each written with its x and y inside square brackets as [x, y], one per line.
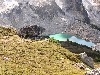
[77, 17]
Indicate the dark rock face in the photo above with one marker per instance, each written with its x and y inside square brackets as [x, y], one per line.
[30, 31]
[56, 16]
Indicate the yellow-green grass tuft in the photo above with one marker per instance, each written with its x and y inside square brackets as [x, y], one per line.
[7, 31]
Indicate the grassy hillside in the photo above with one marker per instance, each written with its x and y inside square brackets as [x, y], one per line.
[7, 31]
[20, 56]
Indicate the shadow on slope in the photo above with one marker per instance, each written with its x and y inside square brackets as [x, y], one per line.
[76, 48]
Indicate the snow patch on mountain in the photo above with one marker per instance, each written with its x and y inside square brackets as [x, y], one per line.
[7, 5]
[59, 3]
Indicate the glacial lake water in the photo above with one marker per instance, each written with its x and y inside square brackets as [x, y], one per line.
[64, 37]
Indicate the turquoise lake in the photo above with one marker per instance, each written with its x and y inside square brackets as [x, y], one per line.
[64, 37]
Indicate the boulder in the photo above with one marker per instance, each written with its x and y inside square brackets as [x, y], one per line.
[93, 72]
[87, 60]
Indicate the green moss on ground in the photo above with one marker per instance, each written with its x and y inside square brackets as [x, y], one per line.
[20, 56]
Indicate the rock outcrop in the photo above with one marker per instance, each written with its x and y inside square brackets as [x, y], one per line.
[93, 9]
[87, 60]
[56, 16]
[30, 31]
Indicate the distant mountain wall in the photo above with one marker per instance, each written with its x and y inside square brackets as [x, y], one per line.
[77, 17]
